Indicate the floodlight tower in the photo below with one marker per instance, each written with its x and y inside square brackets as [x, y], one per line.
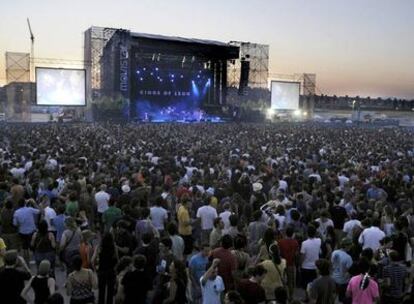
[32, 38]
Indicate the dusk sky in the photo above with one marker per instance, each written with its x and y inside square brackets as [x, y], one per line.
[355, 47]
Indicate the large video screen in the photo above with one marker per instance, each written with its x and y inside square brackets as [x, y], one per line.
[60, 87]
[169, 90]
[285, 95]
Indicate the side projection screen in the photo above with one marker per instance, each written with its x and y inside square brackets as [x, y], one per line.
[60, 87]
[285, 95]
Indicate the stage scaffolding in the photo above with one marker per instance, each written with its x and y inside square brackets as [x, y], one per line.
[17, 67]
[96, 39]
[258, 56]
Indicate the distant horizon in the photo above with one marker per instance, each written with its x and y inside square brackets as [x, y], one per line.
[354, 48]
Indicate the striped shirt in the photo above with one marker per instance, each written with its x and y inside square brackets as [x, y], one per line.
[397, 273]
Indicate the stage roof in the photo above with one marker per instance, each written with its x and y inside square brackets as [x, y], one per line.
[180, 45]
[180, 39]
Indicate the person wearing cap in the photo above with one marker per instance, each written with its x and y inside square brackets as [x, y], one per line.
[12, 279]
[341, 263]
[42, 285]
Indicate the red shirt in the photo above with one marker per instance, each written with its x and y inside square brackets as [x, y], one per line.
[288, 250]
[251, 292]
[228, 264]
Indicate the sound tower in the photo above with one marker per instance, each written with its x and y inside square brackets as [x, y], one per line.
[244, 77]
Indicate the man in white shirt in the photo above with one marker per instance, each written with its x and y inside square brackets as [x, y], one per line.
[309, 255]
[225, 215]
[212, 285]
[102, 199]
[371, 236]
[324, 222]
[351, 225]
[206, 214]
[49, 215]
[158, 216]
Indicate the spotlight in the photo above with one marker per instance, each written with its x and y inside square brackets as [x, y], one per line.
[152, 74]
[156, 69]
[198, 76]
[144, 69]
[172, 75]
[141, 79]
[172, 80]
[182, 76]
[270, 112]
[297, 113]
[305, 113]
[138, 72]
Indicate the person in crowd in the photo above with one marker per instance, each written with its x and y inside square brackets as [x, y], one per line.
[275, 272]
[42, 284]
[207, 214]
[228, 262]
[289, 250]
[323, 289]
[105, 258]
[133, 278]
[43, 244]
[395, 277]
[70, 243]
[177, 241]
[197, 267]
[178, 283]
[309, 250]
[111, 215]
[13, 277]
[362, 288]
[341, 263]
[184, 226]
[24, 220]
[250, 289]
[371, 235]
[159, 215]
[217, 233]
[212, 285]
[81, 283]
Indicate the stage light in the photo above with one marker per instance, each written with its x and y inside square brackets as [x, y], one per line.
[144, 69]
[297, 113]
[270, 112]
[152, 74]
[198, 76]
[305, 113]
[156, 69]
[138, 72]
[141, 79]
[160, 79]
[172, 80]
[172, 76]
[182, 76]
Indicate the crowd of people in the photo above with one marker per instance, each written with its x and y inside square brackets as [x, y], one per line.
[206, 213]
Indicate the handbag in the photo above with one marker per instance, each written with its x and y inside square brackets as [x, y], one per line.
[62, 251]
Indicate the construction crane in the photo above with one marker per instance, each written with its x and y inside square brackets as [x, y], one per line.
[32, 38]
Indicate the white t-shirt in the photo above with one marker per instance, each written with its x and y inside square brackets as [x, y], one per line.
[158, 217]
[50, 214]
[371, 237]
[207, 214]
[225, 218]
[349, 227]
[102, 199]
[212, 290]
[177, 246]
[323, 226]
[310, 249]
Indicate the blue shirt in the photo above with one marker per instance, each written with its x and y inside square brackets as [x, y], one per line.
[24, 219]
[59, 223]
[341, 262]
[198, 264]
